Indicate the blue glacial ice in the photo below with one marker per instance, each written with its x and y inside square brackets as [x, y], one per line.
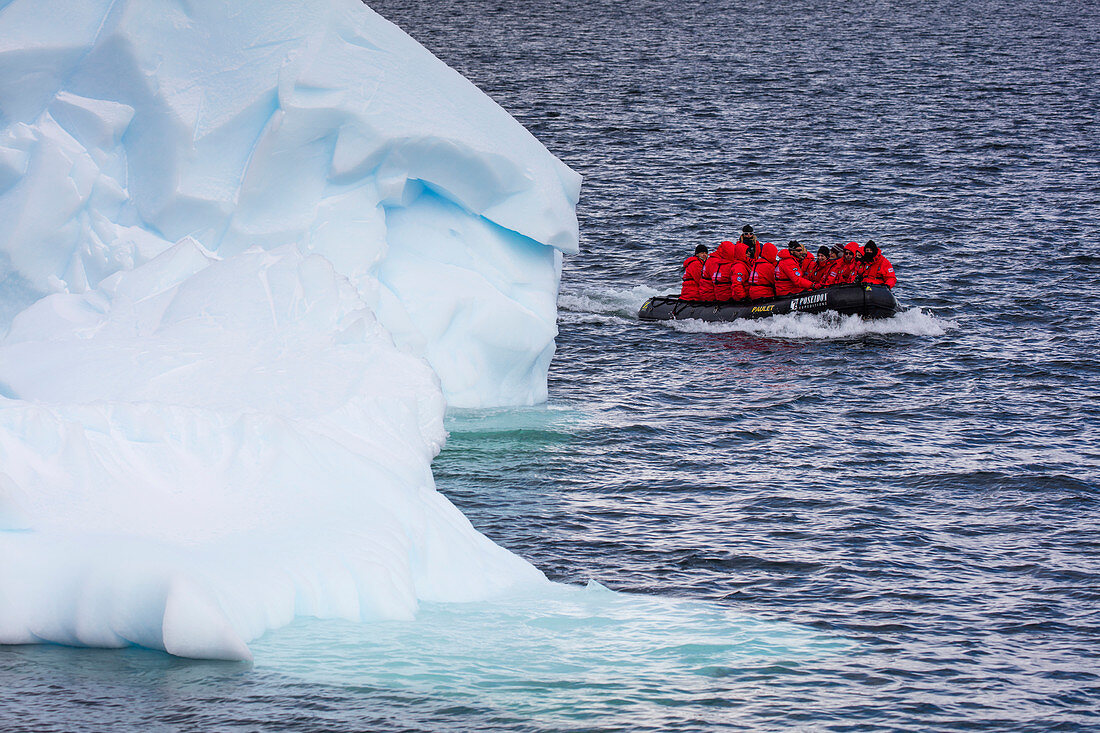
[249, 252]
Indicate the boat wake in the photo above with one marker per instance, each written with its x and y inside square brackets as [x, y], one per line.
[605, 305]
[913, 322]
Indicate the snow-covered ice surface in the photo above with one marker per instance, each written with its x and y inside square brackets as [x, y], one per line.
[248, 253]
[128, 126]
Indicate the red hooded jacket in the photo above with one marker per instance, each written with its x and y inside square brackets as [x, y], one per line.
[706, 285]
[808, 265]
[788, 275]
[693, 274]
[830, 274]
[879, 271]
[762, 272]
[849, 272]
[725, 250]
[739, 273]
[721, 277]
[815, 270]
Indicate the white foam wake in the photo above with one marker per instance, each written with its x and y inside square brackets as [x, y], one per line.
[913, 322]
[607, 302]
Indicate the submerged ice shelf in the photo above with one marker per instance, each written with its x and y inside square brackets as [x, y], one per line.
[248, 253]
[564, 657]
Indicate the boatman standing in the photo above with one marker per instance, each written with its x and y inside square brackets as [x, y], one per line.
[748, 237]
[693, 274]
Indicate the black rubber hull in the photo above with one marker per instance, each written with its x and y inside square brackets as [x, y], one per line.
[867, 301]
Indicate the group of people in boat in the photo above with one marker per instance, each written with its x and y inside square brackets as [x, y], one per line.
[752, 270]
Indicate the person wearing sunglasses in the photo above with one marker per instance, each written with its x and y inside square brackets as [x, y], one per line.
[851, 266]
[748, 237]
[788, 271]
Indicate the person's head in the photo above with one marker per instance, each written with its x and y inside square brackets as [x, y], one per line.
[822, 254]
[747, 235]
[870, 250]
[836, 252]
[768, 252]
[701, 252]
[795, 248]
[741, 253]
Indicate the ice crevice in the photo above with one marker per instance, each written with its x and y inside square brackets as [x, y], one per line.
[249, 252]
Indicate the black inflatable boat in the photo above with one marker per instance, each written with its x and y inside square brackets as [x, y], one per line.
[868, 301]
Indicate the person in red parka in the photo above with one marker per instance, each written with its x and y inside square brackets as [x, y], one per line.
[693, 274]
[803, 255]
[725, 251]
[723, 271]
[762, 271]
[815, 270]
[805, 259]
[788, 275]
[739, 272]
[877, 270]
[721, 276]
[860, 266]
[706, 285]
[850, 266]
[831, 276]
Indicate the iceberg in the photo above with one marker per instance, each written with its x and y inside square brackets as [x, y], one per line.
[249, 253]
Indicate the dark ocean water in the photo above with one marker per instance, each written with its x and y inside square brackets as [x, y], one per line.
[932, 493]
[926, 491]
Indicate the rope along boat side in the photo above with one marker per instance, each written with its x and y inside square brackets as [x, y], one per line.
[867, 301]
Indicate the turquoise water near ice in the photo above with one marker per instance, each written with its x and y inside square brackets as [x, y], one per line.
[564, 658]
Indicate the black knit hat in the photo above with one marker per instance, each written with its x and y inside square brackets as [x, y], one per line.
[747, 229]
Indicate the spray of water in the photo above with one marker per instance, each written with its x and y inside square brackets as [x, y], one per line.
[607, 301]
[914, 322]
